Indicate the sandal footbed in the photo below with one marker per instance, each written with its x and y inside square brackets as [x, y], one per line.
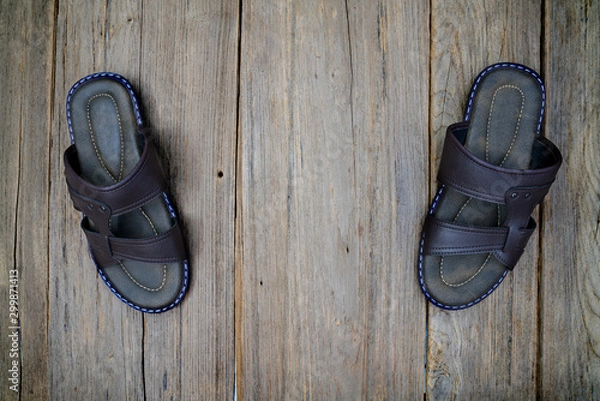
[105, 131]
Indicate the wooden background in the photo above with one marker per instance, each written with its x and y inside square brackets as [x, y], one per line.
[302, 139]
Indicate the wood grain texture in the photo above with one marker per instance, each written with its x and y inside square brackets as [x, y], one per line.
[390, 90]
[189, 73]
[488, 351]
[570, 308]
[25, 89]
[326, 271]
[302, 140]
[301, 332]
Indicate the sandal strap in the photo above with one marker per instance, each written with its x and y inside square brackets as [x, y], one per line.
[464, 172]
[444, 239]
[108, 250]
[520, 190]
[98, 204]
[145, 182]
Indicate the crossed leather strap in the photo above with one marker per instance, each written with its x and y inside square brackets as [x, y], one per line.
[519, 190]
[98, 204]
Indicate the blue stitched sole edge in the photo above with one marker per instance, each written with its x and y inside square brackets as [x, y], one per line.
[170, 207]
[436, 199]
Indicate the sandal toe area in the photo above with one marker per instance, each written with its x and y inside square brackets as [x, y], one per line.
[456, 282]
[147, 285]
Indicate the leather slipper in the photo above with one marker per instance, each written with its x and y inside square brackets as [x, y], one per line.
[495, 168]
[115, 179]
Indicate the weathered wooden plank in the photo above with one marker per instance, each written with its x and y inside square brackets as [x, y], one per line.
[189, 73]
[95, 341]
[323, 279]
[488, 351]
[26, 40]
[9, 184]
[302, 330]
[390, 94]
[569, 365]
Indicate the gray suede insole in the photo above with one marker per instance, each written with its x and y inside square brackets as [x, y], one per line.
[503, 126]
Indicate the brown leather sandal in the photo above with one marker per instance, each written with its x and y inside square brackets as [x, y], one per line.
[115, 179]
[495, 169]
